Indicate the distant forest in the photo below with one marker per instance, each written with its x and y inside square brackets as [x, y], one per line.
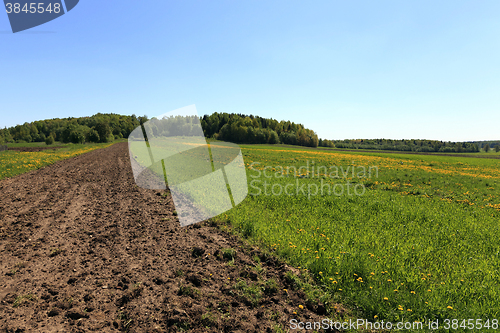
[230, 127]
[416, 145]
[495, 144]
[97, 128]
[108, 127]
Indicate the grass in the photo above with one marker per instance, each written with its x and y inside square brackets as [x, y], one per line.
[418, 244]
[125, 319]
[13, 163]
[250, 293]
[208, 319]
[482, 153]
[23, 299]
[228, 254]
[55, 252]
[188, 291]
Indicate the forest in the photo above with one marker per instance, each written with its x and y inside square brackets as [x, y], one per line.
[409, 145]
[241, 128]
[232, 127]
[97, 128]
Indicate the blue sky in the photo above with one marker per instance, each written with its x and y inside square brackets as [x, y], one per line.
[346, 69]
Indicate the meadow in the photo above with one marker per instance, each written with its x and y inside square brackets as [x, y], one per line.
[414, 240]
[13, 163]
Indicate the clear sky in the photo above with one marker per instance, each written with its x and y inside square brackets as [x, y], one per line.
[346, 69]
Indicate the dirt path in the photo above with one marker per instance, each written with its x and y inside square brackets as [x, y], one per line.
[83, 249]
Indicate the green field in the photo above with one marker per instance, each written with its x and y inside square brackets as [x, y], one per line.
[416, 240]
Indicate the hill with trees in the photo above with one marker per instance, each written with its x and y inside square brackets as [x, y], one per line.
[97, 128]
[241, 128]
[237, 128]
[232, 127]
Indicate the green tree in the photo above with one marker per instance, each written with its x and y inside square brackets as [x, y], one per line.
[104, 131]
[486, 148]
[273, 137]
[93, 136]
[49, 140]
[497, 148]
[7, 135]
[77, 137]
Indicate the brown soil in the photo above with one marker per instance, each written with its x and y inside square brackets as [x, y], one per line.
[83, 249]
[31, 149]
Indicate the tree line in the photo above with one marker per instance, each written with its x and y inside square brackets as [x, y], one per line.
[97, 128]
[488, 145]
[409, 145]
[241, 128]
[237, 128]
[232, 127]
